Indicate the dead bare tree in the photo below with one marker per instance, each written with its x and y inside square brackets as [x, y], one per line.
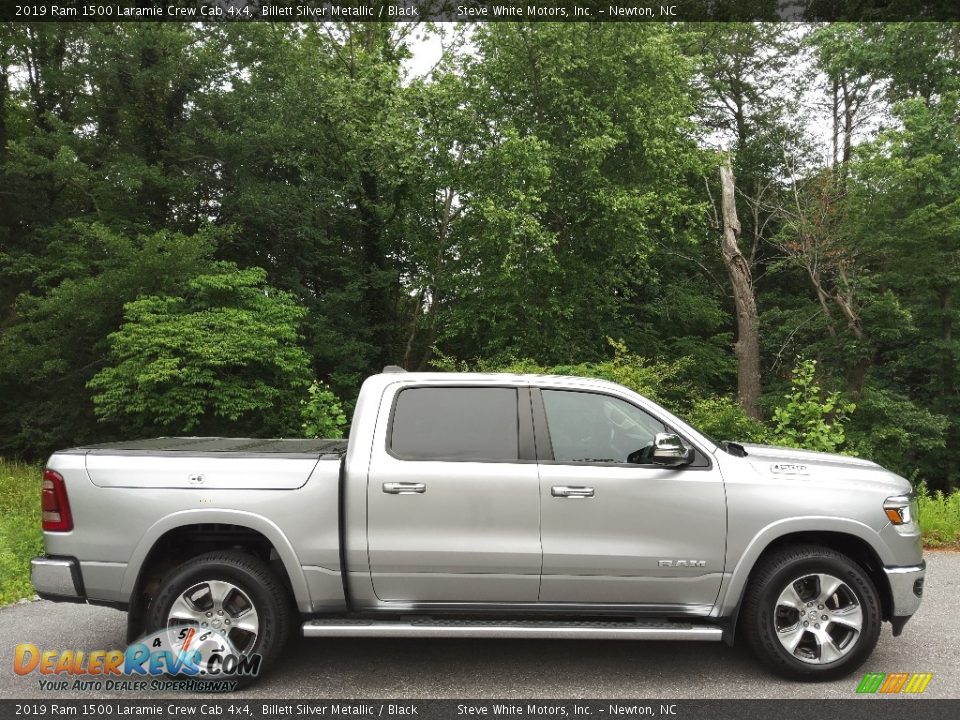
[747, 346]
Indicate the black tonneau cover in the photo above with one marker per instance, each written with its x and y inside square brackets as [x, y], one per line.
[256, 446]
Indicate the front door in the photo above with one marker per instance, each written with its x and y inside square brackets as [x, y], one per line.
[615, 532]
[453, 508]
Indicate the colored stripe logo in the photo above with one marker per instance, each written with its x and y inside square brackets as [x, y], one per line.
[892, 683]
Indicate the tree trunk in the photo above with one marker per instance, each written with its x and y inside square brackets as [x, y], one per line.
[6, 220]
[849, 110]
[747, 346]
[378, 305]
[823, 299]
[835, 115]
[4, 94]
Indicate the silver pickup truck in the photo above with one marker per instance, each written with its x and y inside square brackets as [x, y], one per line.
[490, 505]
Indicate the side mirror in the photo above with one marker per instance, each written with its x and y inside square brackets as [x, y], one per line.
[669, 451]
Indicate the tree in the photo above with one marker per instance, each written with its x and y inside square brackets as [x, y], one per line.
[56, 340]
[224, 356]
[742, 67]
[905, 216]
[526, 199]
[102, 199]
[814, 235]
[578, 171]
[747, 347]
[864, 230]
[318, 163]
[844, 54]
[744, 83]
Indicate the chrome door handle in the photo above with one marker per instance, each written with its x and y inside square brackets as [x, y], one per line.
[398, 488]
[564, 491]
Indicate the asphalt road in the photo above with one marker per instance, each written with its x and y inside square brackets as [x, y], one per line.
[370, 668]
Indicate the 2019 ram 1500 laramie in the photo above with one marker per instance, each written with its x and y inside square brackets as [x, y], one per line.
[490, 505]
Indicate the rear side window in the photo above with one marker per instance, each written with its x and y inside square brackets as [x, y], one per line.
[477, 423]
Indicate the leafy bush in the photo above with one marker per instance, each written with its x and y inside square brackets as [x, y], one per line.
[223, 357]
[722, 418]
[808, 419]
[658, 380]
[322, 412]
[811, 419]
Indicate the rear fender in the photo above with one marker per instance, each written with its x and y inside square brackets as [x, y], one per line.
[242, 518]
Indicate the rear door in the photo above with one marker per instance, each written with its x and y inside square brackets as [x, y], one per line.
[620, 533]
[453, 496]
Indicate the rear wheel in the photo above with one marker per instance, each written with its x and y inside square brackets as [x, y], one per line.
[230, 593]
[811, 613]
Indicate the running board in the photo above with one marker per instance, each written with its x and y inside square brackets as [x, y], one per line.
[545, 629]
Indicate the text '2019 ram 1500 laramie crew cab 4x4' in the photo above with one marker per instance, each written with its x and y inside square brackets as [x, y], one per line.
[490, 505]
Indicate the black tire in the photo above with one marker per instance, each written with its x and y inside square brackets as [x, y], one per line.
[760, 618]
[254, 578]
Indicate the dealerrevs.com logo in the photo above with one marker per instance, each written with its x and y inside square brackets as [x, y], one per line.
[894, 683]
[177, 658]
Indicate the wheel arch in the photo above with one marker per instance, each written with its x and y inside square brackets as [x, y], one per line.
[849, 537]
[180, 536]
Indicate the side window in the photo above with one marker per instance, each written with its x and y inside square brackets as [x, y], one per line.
[455, 423]
[589, 427]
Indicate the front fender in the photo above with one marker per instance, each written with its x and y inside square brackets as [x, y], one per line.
[732, 588]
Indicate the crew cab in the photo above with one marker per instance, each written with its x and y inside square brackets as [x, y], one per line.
[490, 505]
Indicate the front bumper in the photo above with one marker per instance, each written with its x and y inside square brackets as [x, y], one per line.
[57, 579]
[906, 588]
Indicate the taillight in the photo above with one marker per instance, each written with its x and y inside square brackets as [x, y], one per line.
[54, 504]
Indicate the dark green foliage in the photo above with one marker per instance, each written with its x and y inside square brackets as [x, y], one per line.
[890, 429]
[55, 339]
[553, 187]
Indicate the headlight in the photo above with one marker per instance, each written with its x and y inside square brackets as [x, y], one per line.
[899, 509]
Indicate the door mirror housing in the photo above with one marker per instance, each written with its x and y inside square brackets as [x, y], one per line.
[669, 451]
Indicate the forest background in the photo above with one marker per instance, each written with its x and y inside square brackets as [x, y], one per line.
[222, 229]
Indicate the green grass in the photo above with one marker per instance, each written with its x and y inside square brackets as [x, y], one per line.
[20, 536]
[939, 517]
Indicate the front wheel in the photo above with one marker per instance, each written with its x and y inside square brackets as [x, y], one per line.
[231, 595]
[811, 613]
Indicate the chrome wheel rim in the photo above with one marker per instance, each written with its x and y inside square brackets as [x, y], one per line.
[221, 606]
[818, 619]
